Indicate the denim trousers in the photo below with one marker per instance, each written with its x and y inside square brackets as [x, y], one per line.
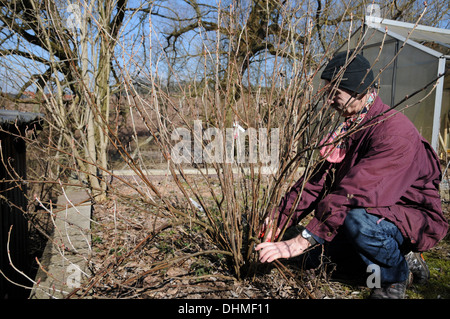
[364, 240]
[379, 242]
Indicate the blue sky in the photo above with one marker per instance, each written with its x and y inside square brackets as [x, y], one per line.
[135, 46]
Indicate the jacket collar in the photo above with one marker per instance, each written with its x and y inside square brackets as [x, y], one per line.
[377, 108]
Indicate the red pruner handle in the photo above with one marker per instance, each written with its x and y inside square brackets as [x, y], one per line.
[262, 236]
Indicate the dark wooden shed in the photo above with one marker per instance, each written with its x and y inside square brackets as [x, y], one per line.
[13, 222]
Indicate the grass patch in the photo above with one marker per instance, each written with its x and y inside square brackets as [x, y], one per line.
[438, 287]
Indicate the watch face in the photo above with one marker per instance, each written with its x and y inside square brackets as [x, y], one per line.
[308, 237]
[305, 234]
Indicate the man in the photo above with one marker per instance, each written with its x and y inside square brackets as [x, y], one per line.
[377, 190]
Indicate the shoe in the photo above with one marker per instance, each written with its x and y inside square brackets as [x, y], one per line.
[390, 291]
[418, 267]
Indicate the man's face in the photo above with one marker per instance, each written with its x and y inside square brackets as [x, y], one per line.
[344, 101]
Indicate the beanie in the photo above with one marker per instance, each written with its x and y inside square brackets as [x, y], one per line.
[358, 75]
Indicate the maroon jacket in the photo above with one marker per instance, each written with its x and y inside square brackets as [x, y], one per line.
[389, 169]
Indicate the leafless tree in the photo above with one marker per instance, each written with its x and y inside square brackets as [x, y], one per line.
[63, 53]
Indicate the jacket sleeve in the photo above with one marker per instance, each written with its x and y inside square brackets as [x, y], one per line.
[377, 178]
[302, 198]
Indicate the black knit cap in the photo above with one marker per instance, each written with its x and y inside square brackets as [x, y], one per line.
[358, 75]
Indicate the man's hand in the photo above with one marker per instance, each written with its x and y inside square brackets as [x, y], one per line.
[283, 249]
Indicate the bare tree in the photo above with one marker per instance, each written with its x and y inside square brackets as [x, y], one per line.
[64, 52]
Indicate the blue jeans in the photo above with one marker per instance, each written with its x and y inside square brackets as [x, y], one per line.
[377, 241]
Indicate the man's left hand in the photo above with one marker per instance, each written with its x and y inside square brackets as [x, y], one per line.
[270, 251]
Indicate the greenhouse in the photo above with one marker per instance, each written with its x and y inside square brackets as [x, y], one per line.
[410, 62]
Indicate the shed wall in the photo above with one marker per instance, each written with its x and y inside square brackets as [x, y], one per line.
[13, 205]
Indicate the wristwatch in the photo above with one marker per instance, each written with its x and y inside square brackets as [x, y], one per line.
[307, 235]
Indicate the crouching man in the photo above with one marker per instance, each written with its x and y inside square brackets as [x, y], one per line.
[375, 193]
